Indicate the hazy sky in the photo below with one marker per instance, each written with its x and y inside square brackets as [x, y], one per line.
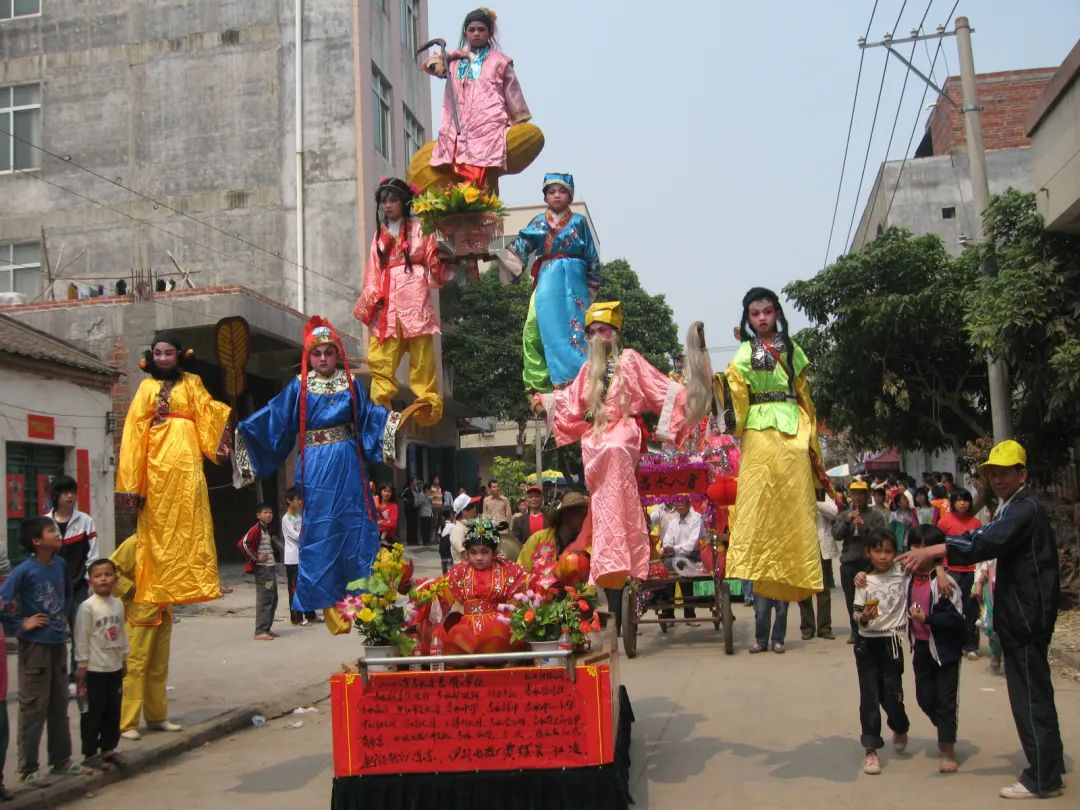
[708, 142]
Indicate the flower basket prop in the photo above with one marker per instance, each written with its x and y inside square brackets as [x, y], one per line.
[383, 604]
[538, 615]
[467, 217]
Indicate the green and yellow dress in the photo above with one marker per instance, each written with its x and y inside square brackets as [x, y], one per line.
[774, 532]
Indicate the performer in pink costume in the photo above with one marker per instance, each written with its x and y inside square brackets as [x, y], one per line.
[599, 407]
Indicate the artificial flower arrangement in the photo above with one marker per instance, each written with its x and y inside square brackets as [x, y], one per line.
[462, 198]
[385, 603]
[540, 614]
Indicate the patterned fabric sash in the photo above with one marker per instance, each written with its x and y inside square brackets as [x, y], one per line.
[771, 396]
[330, 435]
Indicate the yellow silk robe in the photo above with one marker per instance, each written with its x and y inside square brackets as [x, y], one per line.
[170, 427]
[774, 524]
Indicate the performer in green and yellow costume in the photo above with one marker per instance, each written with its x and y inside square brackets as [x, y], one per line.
[764, 399]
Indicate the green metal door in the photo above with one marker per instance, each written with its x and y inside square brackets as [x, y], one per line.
[27, 466]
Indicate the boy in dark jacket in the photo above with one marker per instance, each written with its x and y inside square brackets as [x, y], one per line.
[1026, 604]
[936, 633]
[262, 549]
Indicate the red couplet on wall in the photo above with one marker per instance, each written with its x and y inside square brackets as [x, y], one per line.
[490, 719]
[82, 477]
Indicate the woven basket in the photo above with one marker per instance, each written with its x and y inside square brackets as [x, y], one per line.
[470, 234]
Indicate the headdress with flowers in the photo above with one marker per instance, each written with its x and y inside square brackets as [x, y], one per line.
[319, 332]
[482, 531]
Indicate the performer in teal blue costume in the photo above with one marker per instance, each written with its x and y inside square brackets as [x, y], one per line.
[340, 431]
[566, 279]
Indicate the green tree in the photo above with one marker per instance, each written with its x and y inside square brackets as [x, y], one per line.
[1028, 313]
[650, 325]
[482, 325]
[890, 359]
[509, 473]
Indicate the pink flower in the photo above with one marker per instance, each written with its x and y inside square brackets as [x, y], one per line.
[503, 619]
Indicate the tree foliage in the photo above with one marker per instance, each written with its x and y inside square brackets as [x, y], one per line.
[890, 359]
[1028, 314]
[482, 325]
[509, 472]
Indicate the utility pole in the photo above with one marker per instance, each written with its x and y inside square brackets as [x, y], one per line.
[997, 371]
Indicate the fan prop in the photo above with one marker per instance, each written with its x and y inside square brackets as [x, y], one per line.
[232, 339]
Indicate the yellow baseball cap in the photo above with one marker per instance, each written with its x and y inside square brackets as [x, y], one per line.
[609, 312]
[859, 485]
[1008, 453]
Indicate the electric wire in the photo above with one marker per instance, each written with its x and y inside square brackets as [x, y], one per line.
[37, 176]
[847, 140]
[873, 129]
[896, 116]
[915, 124]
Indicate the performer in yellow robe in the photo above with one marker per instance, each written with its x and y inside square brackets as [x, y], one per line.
[764, 399]
[171, 425]
[149, 633]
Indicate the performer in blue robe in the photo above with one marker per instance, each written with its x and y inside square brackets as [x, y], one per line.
[566, 279]
[341, 430]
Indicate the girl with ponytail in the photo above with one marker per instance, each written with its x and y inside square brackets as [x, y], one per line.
[764, 398]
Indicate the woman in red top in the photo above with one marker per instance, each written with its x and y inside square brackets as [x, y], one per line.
[388, 516]
[959, 520]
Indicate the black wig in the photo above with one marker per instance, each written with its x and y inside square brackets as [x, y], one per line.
[148, 365]
[484, 15]
[746, 331]
[392, 186]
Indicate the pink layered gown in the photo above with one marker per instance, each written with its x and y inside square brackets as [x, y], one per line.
[486, 108]
[620, 538]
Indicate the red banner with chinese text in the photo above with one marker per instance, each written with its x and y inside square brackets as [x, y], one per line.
[477, 719]
[82, 476]
[660, 482]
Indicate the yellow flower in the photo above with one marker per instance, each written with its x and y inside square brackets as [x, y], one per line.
[471, 194]
[366, 615]
[367, 599]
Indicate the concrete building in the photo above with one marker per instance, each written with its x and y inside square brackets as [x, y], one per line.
[931, 191]
[1053, 125]
[170, 154]
[56, 418]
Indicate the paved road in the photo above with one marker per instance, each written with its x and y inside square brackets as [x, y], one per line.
[712, 731]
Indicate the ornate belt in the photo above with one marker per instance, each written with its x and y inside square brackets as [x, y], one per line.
[772, 396]
[337, 433]
[178, 415]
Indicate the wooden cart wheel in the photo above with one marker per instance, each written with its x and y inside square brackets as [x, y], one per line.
[629, 618]
[727, 617]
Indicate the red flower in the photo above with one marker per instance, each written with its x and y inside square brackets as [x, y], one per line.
[585, 627]
[583, 605]
[596, 621]
[529, 615]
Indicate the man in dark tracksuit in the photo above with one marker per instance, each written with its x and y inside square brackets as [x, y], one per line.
[1026, 600]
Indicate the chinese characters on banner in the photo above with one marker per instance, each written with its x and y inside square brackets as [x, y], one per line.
[419, 722]
[669, 481]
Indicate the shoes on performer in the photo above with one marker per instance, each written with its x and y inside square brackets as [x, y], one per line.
[757, 648]
[131, 734]
[807, 636]
[778, 648]
[827, 635]
[971, 655]
[872, 765]
[165, 725]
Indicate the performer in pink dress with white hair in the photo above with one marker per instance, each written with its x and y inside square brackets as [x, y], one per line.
[482, 99]
[598, 407]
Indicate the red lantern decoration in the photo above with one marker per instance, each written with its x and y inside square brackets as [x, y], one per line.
[722, 491]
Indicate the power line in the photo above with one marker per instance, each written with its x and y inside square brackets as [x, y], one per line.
[157, 203]
[873, 129]
[37, 176]
[896, 116]
[922, 101]
[847, 140]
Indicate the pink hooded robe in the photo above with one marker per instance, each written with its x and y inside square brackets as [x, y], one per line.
[486, 108]
[620, 537]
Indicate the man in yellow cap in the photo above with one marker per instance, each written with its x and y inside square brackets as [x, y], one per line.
[1026, 601]
[850, 529]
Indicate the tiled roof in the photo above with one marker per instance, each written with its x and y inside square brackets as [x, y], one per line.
[25, 341]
